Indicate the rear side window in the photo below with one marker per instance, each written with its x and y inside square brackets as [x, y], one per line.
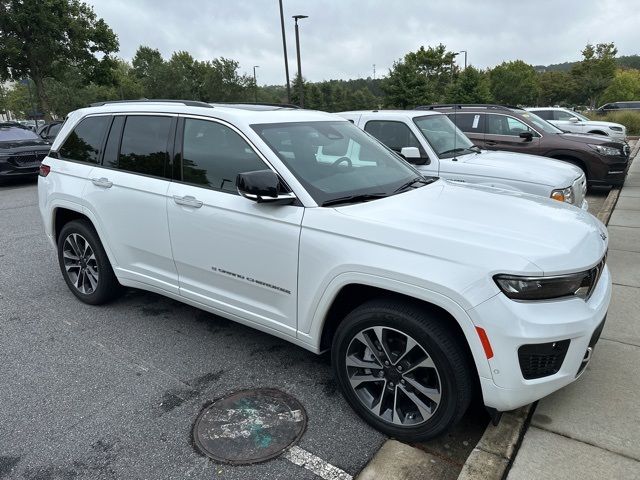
[395, 135]
[213, 155]
[84, 143]
[468, 122]
[546, 114]
[144, 145]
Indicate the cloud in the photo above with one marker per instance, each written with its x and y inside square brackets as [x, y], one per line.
[343, 39]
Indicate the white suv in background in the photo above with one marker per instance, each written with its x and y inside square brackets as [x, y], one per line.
[575, 122]
[421, 288]
[431, 142]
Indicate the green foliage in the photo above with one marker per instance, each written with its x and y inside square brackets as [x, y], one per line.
[41, 39]
[555, 88]
[514, 83]
[629, 118]
[624, 86]
[470, 86]
[19, 100]
[594, 73]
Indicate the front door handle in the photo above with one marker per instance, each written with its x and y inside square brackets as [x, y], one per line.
[490, 143]
[102, 182]
[187, 201]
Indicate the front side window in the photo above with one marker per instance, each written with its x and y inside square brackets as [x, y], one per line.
[213, 155]
[504, 125]
[144, 145]
[365, 168]
[443, 136]
[395, 135]
[84, 143]
[562, 115]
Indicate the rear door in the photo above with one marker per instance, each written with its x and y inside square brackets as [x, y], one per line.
[503, 133]
[232, 254]
[472, 124]
[127, 196]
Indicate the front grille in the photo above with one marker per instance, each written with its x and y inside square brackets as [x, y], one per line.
[539, 360]
[592, 343]
[30, 159]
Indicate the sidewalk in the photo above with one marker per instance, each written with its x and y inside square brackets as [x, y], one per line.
[591, 429]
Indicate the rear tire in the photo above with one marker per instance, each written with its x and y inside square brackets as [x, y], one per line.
[84, 264]
[424, 390]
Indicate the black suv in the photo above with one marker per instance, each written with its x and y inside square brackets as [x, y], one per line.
[496, 127]
[618, 107]
[21, 151]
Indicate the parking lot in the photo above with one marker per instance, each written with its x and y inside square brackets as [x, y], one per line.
[112, 392]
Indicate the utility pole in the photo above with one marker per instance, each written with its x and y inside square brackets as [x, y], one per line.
[301, 84]
[286, 61]
[255, 83]
[374, 71]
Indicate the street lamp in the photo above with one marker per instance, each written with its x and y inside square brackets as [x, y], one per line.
[301, 86]
[286, 61]
[465, 58]
[255, 82]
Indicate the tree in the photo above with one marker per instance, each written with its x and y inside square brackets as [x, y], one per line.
[625, 86]
[514, 83]
[595, 72]
[555, 88]
[149, 68]
[470, 86]
[43, 38]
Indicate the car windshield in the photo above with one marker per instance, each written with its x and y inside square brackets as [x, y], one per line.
[540, 123]
[12, 133]
[443, 136]
[335, 160]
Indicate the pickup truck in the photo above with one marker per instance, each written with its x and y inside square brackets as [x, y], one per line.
[431, 142]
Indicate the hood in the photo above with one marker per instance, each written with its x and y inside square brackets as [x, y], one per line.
[523, 167]
[600, 123]
[592, 139]
[21, 145]
[505, 232]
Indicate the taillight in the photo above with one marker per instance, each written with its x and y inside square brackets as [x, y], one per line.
[44, 170]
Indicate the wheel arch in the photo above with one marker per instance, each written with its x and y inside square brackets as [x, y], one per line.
[64, 215]
[598, 132]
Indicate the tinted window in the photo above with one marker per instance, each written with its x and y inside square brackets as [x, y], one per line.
[213, 155]
[13, 133]
[468, 122]
[86, 139]
[144, 145]
[545, 114]
[394, 135]
[54, 129]
[503, 125]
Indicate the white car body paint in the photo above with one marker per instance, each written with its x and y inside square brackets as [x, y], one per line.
[582, 124]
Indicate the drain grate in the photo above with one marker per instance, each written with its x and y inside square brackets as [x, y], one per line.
[249, 426]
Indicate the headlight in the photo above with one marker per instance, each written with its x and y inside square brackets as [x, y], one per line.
[563, 195]
[544, 288]
[606, 150]
[616, 129]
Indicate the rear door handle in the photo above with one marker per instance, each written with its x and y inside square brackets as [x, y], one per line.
[102, 182]
[187, 201]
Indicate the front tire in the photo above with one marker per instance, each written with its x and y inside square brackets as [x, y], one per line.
[84, 264]
[401, 369]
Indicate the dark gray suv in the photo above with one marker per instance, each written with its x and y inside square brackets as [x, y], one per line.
[495, 127]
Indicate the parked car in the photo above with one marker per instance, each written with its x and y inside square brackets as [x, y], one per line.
[48, 131]
[21, 151]
[571, 121]
[604, 161]
[618, 106]
[421, 288]
[436, 147]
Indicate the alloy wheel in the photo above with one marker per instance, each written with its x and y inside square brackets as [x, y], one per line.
[80, 263]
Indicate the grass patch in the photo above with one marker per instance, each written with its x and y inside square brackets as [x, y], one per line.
[630, 119]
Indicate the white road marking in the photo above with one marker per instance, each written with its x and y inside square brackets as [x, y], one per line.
[240, 426]
[314, 464]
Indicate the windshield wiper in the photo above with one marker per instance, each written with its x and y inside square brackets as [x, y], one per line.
[354, 199]
[454, 150]
[422, 180]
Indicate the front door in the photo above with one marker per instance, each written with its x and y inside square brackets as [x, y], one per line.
[232, 254]
[503, 133]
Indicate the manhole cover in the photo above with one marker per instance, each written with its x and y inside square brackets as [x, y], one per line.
[249, 426]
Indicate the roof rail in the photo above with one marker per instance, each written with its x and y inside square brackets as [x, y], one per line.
[188, 103]
[460, 106]
[260, 104]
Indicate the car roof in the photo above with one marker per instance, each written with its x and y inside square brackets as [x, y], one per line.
[408, 113]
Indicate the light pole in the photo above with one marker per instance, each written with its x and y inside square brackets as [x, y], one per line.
[255, 82]
[301, 86]
[465, 58]
[286, 61]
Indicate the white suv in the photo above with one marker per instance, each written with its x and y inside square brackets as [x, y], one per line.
[431, 142]
[421, 288]
[574, 122]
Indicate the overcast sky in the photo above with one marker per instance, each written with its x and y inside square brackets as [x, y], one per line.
[344, 38]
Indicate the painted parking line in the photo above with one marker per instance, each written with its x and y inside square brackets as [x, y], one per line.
[314, 464]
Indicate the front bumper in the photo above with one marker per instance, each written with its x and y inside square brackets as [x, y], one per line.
[511, 324]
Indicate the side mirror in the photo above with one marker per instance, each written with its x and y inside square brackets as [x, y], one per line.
[263, 186]
[574, 119]
[528, 136]
[412, 155]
